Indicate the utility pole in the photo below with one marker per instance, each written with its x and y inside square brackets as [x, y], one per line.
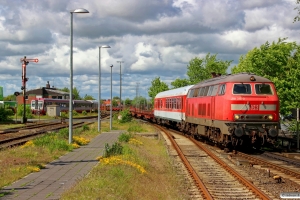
[25, 62]
[120, 83]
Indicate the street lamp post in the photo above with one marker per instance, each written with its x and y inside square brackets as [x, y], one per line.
[99, 97]
[120, 83]
[79, 10]
[111, 97]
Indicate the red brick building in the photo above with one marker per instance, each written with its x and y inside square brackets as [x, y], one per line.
[43, 92]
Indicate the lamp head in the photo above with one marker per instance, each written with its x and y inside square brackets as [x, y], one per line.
[111, 66]
[104, 46]
[79, 10]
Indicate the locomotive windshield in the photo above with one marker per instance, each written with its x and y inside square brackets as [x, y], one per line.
[263, 89]
[242, 89]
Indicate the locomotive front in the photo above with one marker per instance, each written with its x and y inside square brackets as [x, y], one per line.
[254, 111]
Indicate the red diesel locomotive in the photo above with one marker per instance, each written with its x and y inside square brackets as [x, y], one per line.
[230, 110]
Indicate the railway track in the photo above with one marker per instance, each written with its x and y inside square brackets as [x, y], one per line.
[21, 135]
[213, 177]
[275, 163]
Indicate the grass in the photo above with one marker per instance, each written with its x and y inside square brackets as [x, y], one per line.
[143, 170]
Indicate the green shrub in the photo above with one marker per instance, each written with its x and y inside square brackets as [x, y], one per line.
[125, 116]
[28, 111]
[135, 129]
[75, 113]
[124, 137]
[85, 127]
[5, 114]
[63, 133]
[52, 143]
[84, 112]
[115, 149]
[63, 114]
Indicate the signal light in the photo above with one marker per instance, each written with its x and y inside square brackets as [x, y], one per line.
[22, 88]
[17, 93]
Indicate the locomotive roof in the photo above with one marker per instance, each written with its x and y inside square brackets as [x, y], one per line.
[239, 78]
[174, 92]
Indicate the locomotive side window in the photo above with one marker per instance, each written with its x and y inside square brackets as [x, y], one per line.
[206, 91]
[222, 89]
[242, 89]
[196, 91]
[191, 92]
[210, 90]
[263, 89]
[201, 91]
[215, 90]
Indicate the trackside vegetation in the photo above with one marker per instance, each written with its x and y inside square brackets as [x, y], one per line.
[134, 167]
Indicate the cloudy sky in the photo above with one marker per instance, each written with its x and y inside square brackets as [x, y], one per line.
[154, 38]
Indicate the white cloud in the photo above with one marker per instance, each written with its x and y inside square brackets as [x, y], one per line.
[153, 38]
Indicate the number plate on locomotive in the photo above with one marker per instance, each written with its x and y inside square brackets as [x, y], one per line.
[254, 107]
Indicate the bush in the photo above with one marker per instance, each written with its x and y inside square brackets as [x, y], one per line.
[21, 109]
[75, 113]
[5, 114]
[124, 137]
[63, 133]
[84, 112]
[115, 149]
[135, 129]
[85, 127]
[125, 116]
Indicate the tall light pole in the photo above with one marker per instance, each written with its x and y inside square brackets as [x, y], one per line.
[99, 97]
[120, 83]
[111, 96]
[79, 10]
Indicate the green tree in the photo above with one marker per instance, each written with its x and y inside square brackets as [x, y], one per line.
[88, 97]
[201, 69]
[139, 102]
[128, 102]
[65, 89]
[156, 87]
[180, 83]
[297, 18]
[278, 62]
[10, 98]
[75, 92]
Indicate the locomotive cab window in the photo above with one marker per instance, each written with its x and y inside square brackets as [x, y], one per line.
[242, 88]
[263, 89]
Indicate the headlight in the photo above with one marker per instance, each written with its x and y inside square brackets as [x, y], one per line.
[236, 117]
[270, 117]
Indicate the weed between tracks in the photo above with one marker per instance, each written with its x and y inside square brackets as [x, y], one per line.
[135, 168]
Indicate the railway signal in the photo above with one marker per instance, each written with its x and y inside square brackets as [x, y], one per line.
[25, 61]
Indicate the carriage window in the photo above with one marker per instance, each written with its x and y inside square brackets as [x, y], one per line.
[263, 89]
[242, 89]
[222, 89]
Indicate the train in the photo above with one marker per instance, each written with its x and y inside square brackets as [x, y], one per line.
[233, 111]
[39, 105]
